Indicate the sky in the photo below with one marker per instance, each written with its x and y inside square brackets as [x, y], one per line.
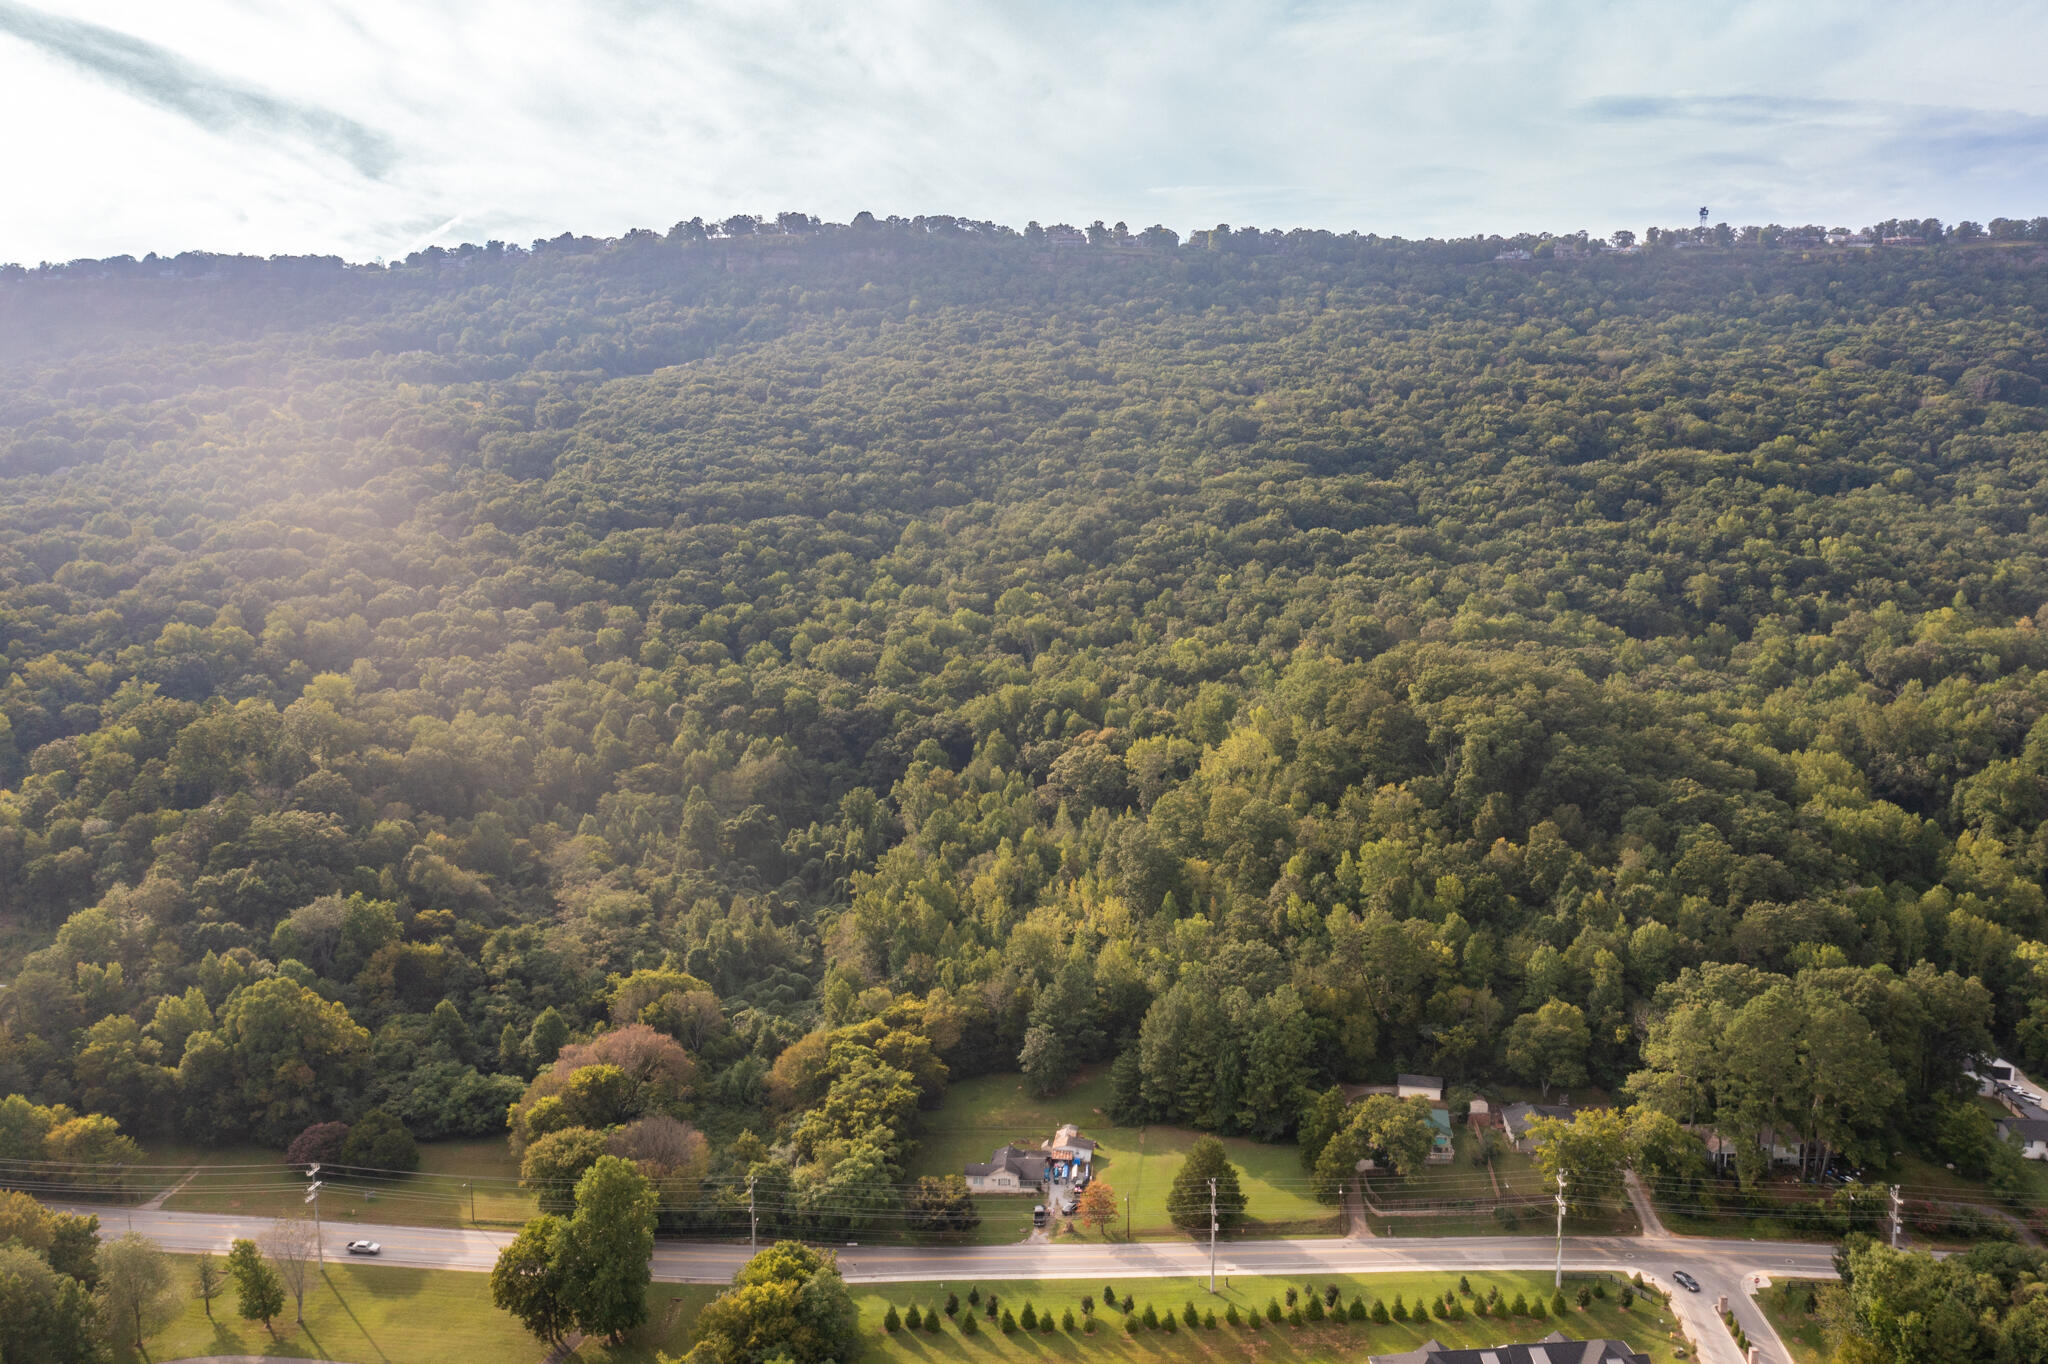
[376, 127]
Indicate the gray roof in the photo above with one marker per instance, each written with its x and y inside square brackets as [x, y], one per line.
[1555, 1348]
[1419, 1081]
[1517, 1116]
[1028, 1166]
[2026, 1129]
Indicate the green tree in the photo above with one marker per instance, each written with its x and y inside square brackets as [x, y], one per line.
[259, 1293]
[788, 1301]
[49, 1316]
[606, 1249]
[135, 1293]
[527, 1279]
[1548, 1047]
[379, 1141]
[1188, 1198]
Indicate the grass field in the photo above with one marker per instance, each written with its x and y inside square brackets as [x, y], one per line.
[380, 1314]
[377, 1314]
[1647, 1325]
[255, 1180]
[1784, 1303]
[981, 1114]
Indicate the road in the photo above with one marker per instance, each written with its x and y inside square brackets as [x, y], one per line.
[1720, 1266]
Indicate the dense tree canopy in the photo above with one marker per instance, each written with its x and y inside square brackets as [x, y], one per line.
[746, 680]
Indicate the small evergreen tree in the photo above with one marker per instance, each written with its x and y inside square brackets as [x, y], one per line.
[1379, 1311]
[1150, 1318]
[1315, 1307]
[1357, 1312]
[914, 1319]
[1127, 1304]
[1189, 1316]
[1520, 1306]
[891, 1321]
[1108, 1296]
[1464, 1286]
[1209, 1320]
[1166, 1324]
[1557, 1303]
[931, 1321]
[974, 1297]
[1028, 1318]
[970, 1325]
[1273, 1310]
[1400, 1309]
[1628, 1297]
[1067, 1320]
[1585, 1297]
[1009, 1323]
[952, 1304]
[1230, 1314]
[1294, 1316]
[1538, 1309]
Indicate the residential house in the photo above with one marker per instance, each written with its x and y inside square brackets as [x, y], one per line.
[1430, 1087]
[1515, 1120]
[1784, 1148]
[1011, 1170]
[2030, 1133]
[1441, 1151]
[1071, 1153]
[1555, 1348]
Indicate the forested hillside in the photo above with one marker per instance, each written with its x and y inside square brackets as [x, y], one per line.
[788, 672]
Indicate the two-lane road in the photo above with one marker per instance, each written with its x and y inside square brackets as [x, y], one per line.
[1720, 1266]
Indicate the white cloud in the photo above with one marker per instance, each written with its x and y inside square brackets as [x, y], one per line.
[367, 128]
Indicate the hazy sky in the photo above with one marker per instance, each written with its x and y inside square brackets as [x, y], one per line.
[372, 128]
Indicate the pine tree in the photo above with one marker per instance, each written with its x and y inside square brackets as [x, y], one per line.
[1357, 1312]
[1230, 1314]
[914, 1319]
[1028, 1318]
[1067, 1320]
[1009, 1322]
[1187, 1201]
[1209, 1320]
[1189, 1316]
[970, 1325]
[891, 1321]
[952, 1304]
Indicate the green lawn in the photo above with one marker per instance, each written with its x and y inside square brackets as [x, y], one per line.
[382, 1314]
[981, 1114]
[256, 1180]
[1784, 1303]
[1647, 1325]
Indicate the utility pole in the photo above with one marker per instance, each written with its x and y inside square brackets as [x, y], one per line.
[313, 1197]
[1212, 1236]
[1897, 1203]
[753, 1224]
[472, 1201]
[1559, 1281]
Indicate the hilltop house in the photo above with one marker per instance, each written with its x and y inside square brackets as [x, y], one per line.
[1555, 1348]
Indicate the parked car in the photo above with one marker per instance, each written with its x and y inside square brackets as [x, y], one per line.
[1686, 1281]
[1068, 1204]
[364, 1248]
[1038, 1215]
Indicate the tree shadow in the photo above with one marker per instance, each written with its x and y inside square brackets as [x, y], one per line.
[341, 1301]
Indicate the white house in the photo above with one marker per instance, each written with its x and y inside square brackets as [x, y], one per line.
[1009, 1171]
[2030, 1133]
[1430, 1087]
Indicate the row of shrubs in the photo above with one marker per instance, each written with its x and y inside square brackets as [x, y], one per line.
[1304, 1307]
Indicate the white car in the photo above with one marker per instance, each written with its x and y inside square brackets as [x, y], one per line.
[364, 1248]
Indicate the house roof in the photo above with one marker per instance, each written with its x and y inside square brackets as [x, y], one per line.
[2026, 1129]
[1555, 1348]
[1026, 1165]
[1517, 1116]
[1419, 1081]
